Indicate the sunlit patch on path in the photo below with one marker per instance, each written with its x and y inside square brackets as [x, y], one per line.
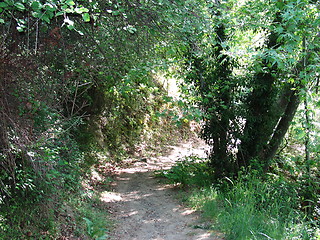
[145, 209]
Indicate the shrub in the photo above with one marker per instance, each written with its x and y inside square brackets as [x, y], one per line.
[191, 171]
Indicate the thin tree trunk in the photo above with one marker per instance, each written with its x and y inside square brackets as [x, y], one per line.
[281, 129]
[220, 121]
[284, 123]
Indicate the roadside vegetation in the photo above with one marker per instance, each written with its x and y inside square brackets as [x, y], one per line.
[83, 84]
[248, 206]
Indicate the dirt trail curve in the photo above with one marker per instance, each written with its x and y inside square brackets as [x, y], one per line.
[144, 209]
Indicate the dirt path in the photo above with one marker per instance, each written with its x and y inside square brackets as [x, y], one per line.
[144, 209]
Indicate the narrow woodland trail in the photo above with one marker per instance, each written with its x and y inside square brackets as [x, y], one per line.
[145, 209]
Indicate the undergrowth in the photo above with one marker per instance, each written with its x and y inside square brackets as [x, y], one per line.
[191, 171]
[248, 207]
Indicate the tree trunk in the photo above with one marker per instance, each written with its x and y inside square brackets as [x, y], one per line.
[263, 112]
[281, 129]
[219, 124]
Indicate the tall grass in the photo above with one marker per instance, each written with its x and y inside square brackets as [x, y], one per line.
[255, 209]
[250, 207]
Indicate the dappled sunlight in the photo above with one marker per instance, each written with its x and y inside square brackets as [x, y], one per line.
[188, 212]
[110, 197]
[164, 187]
[205, 236]
[128, 214]
[176, 153]
[148, 210]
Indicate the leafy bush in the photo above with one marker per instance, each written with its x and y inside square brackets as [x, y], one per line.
[191, 171]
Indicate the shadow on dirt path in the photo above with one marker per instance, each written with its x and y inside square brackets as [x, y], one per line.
[145, 209]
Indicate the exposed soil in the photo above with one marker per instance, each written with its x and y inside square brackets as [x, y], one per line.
[145, 209]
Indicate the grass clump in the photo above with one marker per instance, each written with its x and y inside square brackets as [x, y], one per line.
[247, 207]
[190, 171]
[256, 209]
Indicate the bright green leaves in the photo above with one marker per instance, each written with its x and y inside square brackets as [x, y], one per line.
[3, 5]
[81, 10]
[20, 6]
[42, 10]
[70, 3]
[115, 13]
[71, 7]
[21, 25]
[9, 2]
[13, 5]
[84, 12]
[86, 17]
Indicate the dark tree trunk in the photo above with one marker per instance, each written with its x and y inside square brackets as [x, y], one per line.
[261, 119]
[214, 85]
[281, 129]
[263, 136]
[218, 125]
[292, 93]
[263, 115]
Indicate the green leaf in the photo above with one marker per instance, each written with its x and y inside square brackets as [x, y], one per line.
[1, 20]
[50, 14]
[70, 2]
[20, 6]
[69, 10]
[279, 4]
[36, 14]
[70, 27]
[10, 2]
[89, 225]
[45, 18]
[81, 10]
[20, 28]
[50, 7]
[3, 5]
[115, 13]
[59, 14]
[21, 22]
[36, 6]
[86, 17]
[131, 29]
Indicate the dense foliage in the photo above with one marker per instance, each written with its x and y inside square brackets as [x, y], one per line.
[80, 80]
[251, 74]
[255, 74]
[77, 83]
